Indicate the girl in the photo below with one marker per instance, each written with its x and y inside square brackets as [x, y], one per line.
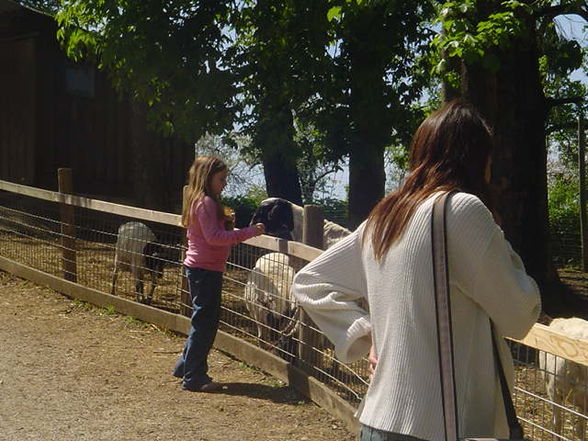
[388, 261]
[208, 249]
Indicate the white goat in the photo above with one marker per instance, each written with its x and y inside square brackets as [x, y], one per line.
[138, 252]
[267, 293]
[565, 380]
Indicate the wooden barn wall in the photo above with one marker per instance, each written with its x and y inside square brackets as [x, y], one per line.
[62, 114]
[17, 109]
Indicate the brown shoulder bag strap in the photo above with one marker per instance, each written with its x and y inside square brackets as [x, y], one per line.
[445, 336]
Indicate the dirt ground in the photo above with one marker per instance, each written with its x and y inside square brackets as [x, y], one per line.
[69, 371]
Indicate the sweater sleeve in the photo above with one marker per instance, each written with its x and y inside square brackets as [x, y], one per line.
[206, 213]
[486, 268]
[327, 289]
[505, 291]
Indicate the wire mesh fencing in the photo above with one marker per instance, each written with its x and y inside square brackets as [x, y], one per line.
[141, 259]
[32, 233]
[137, 255]
[551, 394]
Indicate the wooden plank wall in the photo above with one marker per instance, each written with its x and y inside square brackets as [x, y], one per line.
[17, 109]
[47, 121]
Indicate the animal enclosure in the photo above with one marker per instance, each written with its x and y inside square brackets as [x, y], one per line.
[34, 232]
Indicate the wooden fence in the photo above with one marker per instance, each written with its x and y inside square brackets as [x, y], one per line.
[311, 367]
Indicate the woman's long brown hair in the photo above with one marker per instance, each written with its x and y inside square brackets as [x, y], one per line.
[450, 151]
[199, 178]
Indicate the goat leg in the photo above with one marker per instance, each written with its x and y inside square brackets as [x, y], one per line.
[139, 289]
[114, 277]
[149, 298]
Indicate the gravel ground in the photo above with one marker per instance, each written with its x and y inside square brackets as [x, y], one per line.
[69, 371]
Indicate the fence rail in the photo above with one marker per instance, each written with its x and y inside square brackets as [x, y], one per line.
[257, 313]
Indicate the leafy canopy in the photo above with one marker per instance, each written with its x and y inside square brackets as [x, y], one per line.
[169, 55]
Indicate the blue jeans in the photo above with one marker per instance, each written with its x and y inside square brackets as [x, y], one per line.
[368, 433]
[205, 290]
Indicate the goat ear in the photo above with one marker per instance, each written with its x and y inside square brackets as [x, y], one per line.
[279, 210]
[259, 215]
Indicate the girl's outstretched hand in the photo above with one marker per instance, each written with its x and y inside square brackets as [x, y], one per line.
[260, 228]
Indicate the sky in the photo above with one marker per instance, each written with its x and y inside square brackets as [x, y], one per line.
[574, 27]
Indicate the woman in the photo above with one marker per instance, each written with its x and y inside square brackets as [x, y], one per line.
[388, 261]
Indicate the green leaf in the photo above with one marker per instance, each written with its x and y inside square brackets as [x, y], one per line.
[334, 12]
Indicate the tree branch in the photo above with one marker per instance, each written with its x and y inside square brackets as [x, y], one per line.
[554, 102]
[563, 9]
[551, 129]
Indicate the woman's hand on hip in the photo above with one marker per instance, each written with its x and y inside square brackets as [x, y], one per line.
[373, 360]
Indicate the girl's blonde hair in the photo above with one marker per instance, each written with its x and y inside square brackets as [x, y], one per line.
[199, 180]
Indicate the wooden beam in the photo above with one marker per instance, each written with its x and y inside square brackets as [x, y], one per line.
[543, 338]
[295, 249]
[92, 204]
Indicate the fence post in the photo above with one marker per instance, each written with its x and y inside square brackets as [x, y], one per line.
[312, 234]
[582, 179]
[185, 299]
[68, 232]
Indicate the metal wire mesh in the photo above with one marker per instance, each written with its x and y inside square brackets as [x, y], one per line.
[256, 305]
[32, 233]
[551, 395]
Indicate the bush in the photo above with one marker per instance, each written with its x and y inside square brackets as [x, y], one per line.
[335, 210]
[244, 207]
[564, 220]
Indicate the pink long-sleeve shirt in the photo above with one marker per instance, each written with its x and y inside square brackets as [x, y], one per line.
[209, 244]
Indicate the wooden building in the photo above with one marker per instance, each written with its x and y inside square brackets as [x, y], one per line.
[56, 113]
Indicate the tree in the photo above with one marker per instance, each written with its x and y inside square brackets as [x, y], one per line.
[498, 46]
[375, 84]
[566, 98]
[171, 56]
[244, 171]
[281, 45]
[47, 6]
[314, 165]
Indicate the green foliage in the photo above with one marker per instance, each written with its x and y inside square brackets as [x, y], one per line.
[560, 58]
[475, 31]
[46, 6]
[244, 207]
[371, 40]
[109, 310]
[170, 57]
[564, 217]
[315, 164]
[472, 35]
[279, 54]
[336, 210]
[564, 202]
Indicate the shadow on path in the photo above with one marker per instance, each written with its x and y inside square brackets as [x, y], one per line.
[283, 394]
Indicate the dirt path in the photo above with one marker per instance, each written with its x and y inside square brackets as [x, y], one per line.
[72, 372]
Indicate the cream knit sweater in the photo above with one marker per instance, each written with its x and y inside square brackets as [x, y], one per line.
[487, 279]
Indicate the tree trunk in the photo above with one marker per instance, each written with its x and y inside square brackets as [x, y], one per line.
[513, 101]
[370, 117]
[367, 180]
[275, 138]
[281, 178]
